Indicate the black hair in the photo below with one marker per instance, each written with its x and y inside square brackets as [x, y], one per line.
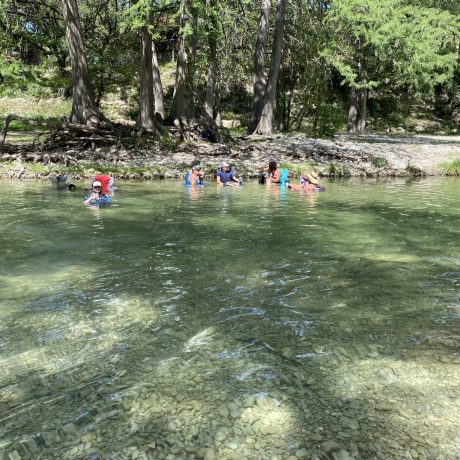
[272, 165]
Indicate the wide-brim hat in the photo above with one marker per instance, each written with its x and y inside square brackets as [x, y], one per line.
[313, 178]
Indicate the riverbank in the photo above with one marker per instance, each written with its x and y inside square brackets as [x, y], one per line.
[371, 155]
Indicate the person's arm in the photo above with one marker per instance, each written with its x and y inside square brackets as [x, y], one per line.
[90, 197]
[219, 182]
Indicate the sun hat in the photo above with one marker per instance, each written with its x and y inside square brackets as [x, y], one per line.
[312, 178]
[224, 164]
[96, 183]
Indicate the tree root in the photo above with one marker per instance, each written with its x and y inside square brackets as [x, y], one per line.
[66, 137]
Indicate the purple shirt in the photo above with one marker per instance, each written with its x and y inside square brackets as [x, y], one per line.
[226, 176]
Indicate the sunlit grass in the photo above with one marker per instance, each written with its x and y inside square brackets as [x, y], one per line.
[37, 109]
[452, 169]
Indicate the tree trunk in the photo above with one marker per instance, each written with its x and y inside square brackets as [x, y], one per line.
[282, 104]
[209, 103]
[146, 118]
[357, 111]
[181, 111]
[259, 64]
[157, 85]
[84, 110]
[265, 125]
[353, 111]
[208, 109]
[362, 104]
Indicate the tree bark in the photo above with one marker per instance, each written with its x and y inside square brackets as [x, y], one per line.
[209, 103]
[146, 118]
[353, 111]
[357, 111]
[362, 104]
[283, 104]
[84, 109]
[181, 111]
[265, 125]
[259, 64]
[157, 85]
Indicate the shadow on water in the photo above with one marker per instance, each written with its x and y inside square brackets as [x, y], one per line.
[189, 333]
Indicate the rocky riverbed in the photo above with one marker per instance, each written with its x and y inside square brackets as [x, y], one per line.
[372, 155]
[337, 403]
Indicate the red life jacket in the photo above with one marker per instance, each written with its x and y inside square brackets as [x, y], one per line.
[105, 182]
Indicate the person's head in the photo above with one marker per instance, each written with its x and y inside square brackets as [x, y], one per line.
[272, 166]
[224, 166]
[97, 186]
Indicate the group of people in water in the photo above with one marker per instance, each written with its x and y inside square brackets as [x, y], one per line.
[102, 185]
[271, 175]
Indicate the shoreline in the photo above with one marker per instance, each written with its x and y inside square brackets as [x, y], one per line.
[370, 155]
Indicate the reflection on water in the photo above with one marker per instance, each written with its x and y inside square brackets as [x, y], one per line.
[236, 322]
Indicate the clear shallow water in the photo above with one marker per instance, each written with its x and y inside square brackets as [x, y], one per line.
[244, 322]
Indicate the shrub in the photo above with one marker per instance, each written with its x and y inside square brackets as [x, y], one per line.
[379, 162]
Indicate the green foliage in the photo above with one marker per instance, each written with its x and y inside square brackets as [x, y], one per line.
[400, 51]
[414, 171]
[392, 43]
[379, 162]
[169, 142]
[328, 119]
[334, 170]
[297, 169]
[452, 169]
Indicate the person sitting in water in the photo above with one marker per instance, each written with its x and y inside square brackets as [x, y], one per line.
[96, 197]
[308, 183]
[272, 175]
[106, 182]
[225, 176]
[196, 176]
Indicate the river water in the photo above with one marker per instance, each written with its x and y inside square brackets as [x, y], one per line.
[235, 323]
